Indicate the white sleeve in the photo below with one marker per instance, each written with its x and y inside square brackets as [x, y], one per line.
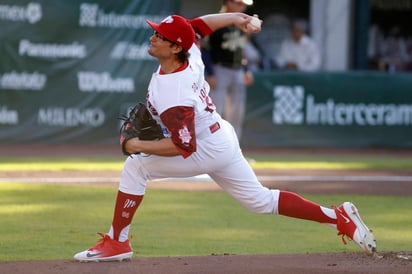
[312, 60]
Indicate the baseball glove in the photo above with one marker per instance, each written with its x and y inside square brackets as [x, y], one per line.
[141, 124]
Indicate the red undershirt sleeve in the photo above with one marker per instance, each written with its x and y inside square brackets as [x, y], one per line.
[180, 121]
[200, 27]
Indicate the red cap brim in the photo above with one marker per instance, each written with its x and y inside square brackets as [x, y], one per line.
[154, 26]
[175, 29]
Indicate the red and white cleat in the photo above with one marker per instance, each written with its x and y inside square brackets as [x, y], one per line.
[350, 224]
[106, 250]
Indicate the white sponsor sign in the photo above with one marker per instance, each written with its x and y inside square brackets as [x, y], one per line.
[31, 13]
[8, 116]
[73, 50]
[92, 16]
[129, 51]
[23, 81]
[293, 107]
[90, 81]
[71, 117]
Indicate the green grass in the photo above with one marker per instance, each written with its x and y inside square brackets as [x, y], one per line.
[275, 161]
[48, 221]
[41, 221]
[310, 161]
[49, 163]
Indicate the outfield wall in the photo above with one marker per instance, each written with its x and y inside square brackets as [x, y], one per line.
[352, 109]
[69, 69]
[355, 109]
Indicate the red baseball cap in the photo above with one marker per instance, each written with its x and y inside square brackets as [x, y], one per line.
[176, 29]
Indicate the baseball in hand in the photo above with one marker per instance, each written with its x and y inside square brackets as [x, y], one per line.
[254, 24]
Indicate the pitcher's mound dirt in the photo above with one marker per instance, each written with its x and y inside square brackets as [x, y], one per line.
[226, 264]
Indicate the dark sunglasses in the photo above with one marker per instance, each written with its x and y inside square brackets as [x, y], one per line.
[161, 37]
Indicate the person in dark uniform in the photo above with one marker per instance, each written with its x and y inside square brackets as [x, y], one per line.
[226, 68]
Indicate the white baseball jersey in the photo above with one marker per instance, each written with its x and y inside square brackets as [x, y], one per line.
[183, 94]
[208, 144]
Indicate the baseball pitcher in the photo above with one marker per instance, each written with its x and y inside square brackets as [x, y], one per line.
[196, 140]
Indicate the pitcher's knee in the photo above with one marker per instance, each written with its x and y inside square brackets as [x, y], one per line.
[267, 203]
[133, 176]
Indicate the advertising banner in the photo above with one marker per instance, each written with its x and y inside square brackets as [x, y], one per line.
[354, 109]
[69, 68]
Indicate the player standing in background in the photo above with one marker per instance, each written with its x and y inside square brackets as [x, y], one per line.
[226, 68]
[199, 141]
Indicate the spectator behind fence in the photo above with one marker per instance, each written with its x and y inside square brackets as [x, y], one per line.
[299, 51]
[393, 52]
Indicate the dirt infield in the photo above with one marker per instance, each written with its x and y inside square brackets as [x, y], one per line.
[335, 263]
[399, 262]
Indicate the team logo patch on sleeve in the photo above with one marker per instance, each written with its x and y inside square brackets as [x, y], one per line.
[184, 135]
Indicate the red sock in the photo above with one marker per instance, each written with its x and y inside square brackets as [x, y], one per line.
[126, 206]
[293, 205]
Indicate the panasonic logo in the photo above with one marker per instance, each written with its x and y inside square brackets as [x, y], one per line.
[74, 50]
